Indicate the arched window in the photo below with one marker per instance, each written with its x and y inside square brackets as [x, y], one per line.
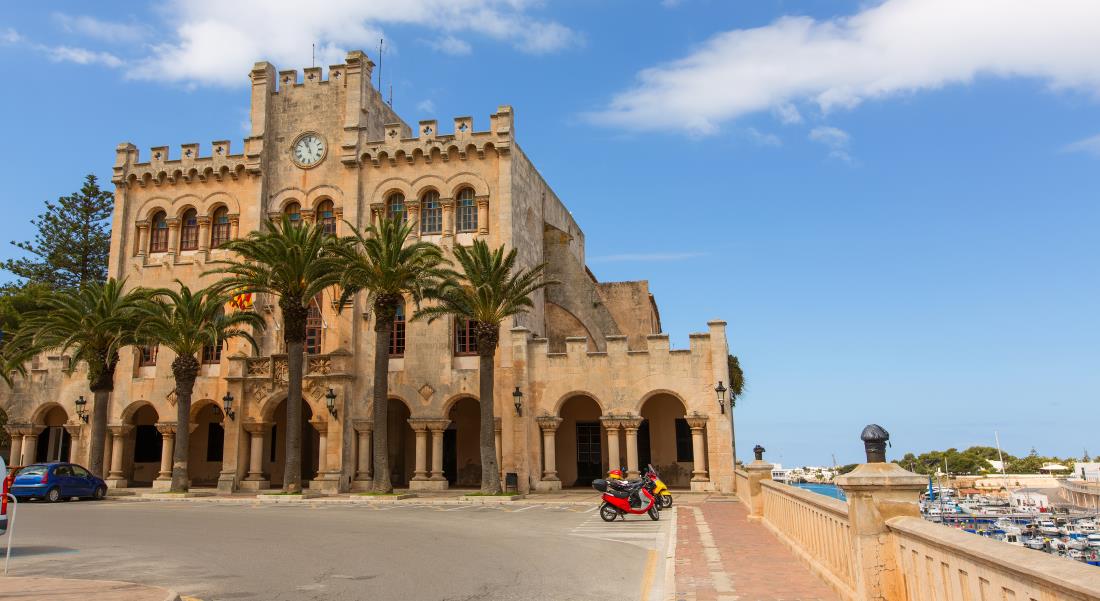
[148, 355]
[294, 211]
[158, 235]
[219, 232]
[431, 213]
[189, 230]
[465, 338]
[313, 328]
[327, 216]
[397, 336]
[467, 211]
[395, 207]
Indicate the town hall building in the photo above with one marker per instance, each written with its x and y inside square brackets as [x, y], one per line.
[586, 381]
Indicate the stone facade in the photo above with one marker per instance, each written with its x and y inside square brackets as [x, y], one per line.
[600, 385]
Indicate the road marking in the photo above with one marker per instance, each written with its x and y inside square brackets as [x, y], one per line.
[590, 509]
[647, 576]
[526, 508]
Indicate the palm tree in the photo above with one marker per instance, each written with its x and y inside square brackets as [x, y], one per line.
[485, 293]
[737, 388]
[381, 263]
[294, 262]
[93, 323]
[186, 322]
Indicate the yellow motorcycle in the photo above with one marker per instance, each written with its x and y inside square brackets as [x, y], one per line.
[660, 490]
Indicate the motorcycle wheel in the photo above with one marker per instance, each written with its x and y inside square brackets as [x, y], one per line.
[654, 513]
[608, 513]
[666, 501]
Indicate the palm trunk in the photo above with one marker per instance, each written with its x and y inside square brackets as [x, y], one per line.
[99, 431]
[294, 334]
[490, 471]
[383, 329]
[185, 369]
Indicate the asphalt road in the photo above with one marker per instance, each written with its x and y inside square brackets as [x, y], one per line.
[379, 552]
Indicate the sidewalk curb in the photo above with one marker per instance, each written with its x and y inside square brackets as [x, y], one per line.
[669, 591]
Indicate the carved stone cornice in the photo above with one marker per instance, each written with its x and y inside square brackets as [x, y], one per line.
[167, 429]
[257, 427]
[120, 429]
[363, 425]
[548, 423]
[696, 421]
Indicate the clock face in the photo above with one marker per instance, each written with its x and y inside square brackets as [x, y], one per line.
[308, 150]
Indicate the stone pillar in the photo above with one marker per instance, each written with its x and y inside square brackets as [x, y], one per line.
[698, 450]
[412, 210]
[16, 457]
[759, 470]
[364, 472]
[255, 479]
[142, 237]
[877, 492]
[75, 430]
[167, 447]
[630, 429]
[204, 233]
[549, 426]
[377, 209]
[115, 478]
[437, 427]
[234, 226]
[325, 481]
[420, 473]
[173, 235]
[612, 425]
[483, 215]
[448, 205]
[30, 443]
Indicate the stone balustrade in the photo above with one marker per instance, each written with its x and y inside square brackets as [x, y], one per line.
[816, 527]
[741, 485]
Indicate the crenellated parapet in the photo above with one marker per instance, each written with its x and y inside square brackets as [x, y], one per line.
[159, 169]
[428, 144]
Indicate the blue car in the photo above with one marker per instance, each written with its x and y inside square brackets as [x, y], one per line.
[53, 482]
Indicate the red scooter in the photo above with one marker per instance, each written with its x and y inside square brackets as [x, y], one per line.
[621, 498]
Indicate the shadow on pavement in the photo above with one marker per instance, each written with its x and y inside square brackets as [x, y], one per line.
[18, 551]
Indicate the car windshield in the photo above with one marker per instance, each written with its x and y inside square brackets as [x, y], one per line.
[32, 470]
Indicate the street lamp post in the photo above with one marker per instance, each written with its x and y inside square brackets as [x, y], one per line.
[81, 412]
[227, 405]
[517, 399]
[720, 392]
[330, 401]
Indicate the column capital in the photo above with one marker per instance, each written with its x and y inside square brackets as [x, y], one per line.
[482, 201]
[412, 204]
[363, 425]
[257, 427]
[20, 429]
[204, 220]
[172, 221]
[120, 429]
[320, 424]
[437, 425]
[167, 429]
[74, 430]
[611, 422]
[447, 203]
[548, 423]
[631, 422]
[419, 424]
[143, 224]
[696, 421]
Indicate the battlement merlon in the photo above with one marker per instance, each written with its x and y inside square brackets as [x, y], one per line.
[400, 143]
[160, 168]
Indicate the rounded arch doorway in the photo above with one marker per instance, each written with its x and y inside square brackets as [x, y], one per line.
[664, 439]
[462, 444]
[275, 458]
[54, 442]
[578, 445]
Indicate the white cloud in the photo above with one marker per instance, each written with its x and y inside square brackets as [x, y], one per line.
[10, 36]
[893, 47]
[107, 31]
[681, 256]
[764, 139]
[81, 56]
[426, 106]
[1089, 145]
[787, 113]
[836, 140]
[213, 45]
[451, 45]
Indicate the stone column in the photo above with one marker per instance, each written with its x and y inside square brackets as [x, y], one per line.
[448, 205]
[322, 447]
[167, 447]
[412, 210]
[115, 478]
[142, 237]
[16, 457]
[698, 449]
[234, 226]
[420, 473]
[482, 215]
[204, 233]
[75, 430]
[30, 443]
[364, 470]
[549, 426]
[377, 209]
[759, 470]
[612, 425]
[173, 235]
[630, 428]
[437, 427]
[255, 479]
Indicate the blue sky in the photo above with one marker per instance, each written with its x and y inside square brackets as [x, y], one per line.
[893, 204]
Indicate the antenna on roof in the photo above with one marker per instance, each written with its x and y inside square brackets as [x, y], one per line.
[391, 95]
[314, 55]
[380, 41]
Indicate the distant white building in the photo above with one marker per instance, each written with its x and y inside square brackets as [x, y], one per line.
[1087, 471]
[779, 474]
[1029, 498]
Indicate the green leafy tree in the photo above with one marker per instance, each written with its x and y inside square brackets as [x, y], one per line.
[186, 322]
[91, 324]
[16, 302]
[73, 241]
[294, 262]
[387, 267]
[488, 290]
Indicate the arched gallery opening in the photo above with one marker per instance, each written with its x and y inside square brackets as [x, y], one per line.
[664, 439]
[579, 443]
[275, 456]
[54, 443]
[207, 444]
[401, 442]
[462, 444]
[145, 447]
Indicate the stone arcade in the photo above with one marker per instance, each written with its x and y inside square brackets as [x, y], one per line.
[600, 386]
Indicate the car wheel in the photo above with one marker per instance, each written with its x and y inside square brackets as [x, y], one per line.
[100, 493]
[53, 495]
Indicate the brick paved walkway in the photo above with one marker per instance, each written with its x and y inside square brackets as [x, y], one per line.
[721, 556]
